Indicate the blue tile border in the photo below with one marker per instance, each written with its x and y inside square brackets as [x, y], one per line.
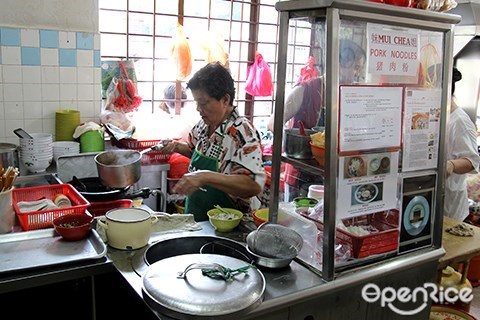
[48, 39]
[67, 57]
[97, 59]
[9, 37]
[30, 56]
[84, 40]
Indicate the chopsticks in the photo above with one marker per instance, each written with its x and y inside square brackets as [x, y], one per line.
[7, 178]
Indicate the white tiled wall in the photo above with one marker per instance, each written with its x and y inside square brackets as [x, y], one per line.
[42, 71]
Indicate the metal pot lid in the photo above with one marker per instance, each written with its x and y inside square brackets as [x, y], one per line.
[199, 296]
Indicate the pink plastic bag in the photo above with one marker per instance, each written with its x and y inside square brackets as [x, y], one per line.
[308, 71]
[259, 78]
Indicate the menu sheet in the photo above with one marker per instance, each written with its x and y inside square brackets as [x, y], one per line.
[370, 117]
[421, 128]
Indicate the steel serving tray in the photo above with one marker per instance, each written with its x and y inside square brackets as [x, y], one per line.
[40, 248]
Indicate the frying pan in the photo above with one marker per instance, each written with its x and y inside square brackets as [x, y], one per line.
[94, 191]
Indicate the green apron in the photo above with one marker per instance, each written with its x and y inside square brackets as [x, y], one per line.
[199, 202]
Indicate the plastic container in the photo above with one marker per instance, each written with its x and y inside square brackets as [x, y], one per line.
[316, 191]
[385, 240]
[92, 141]
[44, 218]
[150, 157]
[100, 208]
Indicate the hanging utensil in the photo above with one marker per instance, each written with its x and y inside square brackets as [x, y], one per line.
[301, 128]
[22, 133]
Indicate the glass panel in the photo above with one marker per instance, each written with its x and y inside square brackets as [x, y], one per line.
[165, 25]
[140, 23]
[267, 33]
[144, 89]
[166, 7]
[239, 31]
[161, 72]
[113, 21]
[140, 46]
[220, 9]
[268, 51]
[241, 11]
[113, 4]
[195, 24]
[143, 69]
[143, 6]
[268, 14]
[162, 47]
[113, 45]
[198, 8]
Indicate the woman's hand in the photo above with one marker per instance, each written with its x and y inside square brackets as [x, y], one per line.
[191, 182]
[169, 146]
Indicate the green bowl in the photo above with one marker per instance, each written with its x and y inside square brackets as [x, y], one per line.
[303, 202]
[221, 222]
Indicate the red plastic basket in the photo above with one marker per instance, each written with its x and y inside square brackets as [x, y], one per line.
[43, 219]
[385, 240]
[150, 157]
[100, 208]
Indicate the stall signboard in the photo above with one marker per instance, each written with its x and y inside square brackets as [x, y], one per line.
[392, 50]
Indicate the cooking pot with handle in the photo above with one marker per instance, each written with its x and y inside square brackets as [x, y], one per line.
[118, 168]
[127, 228]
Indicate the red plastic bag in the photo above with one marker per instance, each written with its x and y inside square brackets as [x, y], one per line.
[308, 71]
[259, 78]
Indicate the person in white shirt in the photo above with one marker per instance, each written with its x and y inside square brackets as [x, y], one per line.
[462, 158]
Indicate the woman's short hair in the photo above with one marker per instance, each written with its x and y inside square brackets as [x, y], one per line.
[215, 80]
[456, 76]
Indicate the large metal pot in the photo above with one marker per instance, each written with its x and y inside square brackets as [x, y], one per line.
[296, 145]
[118, 168]
[8, 155]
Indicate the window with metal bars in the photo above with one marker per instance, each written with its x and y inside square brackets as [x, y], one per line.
[143, 31]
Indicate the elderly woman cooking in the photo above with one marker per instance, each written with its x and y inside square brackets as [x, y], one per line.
[226, 166]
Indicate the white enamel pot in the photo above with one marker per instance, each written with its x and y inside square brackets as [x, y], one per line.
[127, 228]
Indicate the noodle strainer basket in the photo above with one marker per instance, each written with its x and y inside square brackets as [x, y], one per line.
[275, 241]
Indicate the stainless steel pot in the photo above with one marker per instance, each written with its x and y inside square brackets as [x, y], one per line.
[118, 168]
[297, 146]
[8, 155]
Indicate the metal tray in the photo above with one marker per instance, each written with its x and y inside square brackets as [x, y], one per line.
[40, 248]
[81, 165]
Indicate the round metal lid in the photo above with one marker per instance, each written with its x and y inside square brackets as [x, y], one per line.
[197, 295]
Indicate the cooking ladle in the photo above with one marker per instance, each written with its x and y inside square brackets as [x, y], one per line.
[156, 147]
[301, 128]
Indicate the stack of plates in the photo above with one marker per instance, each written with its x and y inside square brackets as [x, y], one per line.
[36, 154]
[61, 148]
[66, 121]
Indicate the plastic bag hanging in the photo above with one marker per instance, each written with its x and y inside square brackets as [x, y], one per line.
[122, 94]
[259, 78]
[308, 71]
[181, 54]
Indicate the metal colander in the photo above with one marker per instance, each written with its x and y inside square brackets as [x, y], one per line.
[275, 241]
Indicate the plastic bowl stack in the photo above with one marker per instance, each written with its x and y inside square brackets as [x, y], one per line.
[36, 154]
[61, 148]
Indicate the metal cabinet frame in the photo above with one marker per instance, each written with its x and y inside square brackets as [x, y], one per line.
[333, 11]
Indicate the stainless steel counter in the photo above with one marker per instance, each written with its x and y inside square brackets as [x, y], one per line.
[285, 287]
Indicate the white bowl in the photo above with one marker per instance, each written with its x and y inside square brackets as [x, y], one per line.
[37, 166]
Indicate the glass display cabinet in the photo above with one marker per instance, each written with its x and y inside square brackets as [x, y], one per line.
[370, 85]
